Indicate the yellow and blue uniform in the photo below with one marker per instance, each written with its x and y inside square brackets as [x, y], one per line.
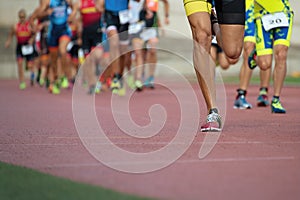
[193, 6]
[249, 35]
[266, 39]
[228, 11]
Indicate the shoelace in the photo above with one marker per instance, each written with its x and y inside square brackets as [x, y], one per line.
[213, 117]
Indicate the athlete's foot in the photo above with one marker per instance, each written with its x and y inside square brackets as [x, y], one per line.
[213, 122]
[22, 86]
[138, 85]
[276, 106]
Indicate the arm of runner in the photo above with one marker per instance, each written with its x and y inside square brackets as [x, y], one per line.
[167, 10]
[41, 11]
[73, 14]
[99, 4]
[10, 36]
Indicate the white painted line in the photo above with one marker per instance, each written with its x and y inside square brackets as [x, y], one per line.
[198, 161]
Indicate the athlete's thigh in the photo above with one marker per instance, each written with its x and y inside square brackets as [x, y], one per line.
[282, 35]
[230, 11]
[264, 39]
[232, 39]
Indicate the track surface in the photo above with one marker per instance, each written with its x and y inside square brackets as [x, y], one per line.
[256, 157]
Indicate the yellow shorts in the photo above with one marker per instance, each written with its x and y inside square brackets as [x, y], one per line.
[194, 6]
[265, 40]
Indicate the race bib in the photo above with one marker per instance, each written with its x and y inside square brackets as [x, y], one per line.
[70, 45]
[27, 50]
[124, 16]
[148, 34]
[275, 20]
[136, 27]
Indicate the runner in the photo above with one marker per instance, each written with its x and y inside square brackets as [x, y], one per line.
[246, 73]
[230, 37]
[274, 20]
[25, 49]
[91, 12]
[151, 50]
[117, 21]
[59, 35]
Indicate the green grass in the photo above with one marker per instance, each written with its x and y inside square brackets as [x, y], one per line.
[26, 184]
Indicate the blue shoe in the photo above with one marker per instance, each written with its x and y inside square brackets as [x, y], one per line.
[262, 100]
[149, 83]
[241, 103]
[276, 107]
[252, 60]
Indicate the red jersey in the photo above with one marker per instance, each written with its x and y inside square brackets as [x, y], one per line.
[90, 15]
[23, 32]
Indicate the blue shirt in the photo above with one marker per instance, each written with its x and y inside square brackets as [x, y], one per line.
[116, 5]
[60, 14]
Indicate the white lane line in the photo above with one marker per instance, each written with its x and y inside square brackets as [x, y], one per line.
[198, 161]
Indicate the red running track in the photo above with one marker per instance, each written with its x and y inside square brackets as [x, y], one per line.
[256, 157]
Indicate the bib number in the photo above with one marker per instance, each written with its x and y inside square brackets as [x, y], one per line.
[27, 50]
[275, 20]
[136, 27]
[124, 16]
[148, 34]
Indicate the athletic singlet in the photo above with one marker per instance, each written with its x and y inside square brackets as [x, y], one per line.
[59, 15]
[90, 15]
[262, 7]
[116, 5]
[152, 5]
[23, 32]
[135, 8]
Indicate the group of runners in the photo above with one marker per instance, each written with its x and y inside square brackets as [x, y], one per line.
[267, 32]
[259, 27]
[98, 34]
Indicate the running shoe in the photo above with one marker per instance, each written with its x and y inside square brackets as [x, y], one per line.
[149, 83]
[213, 122]
[262, 100]
[252, 60]
[55, 89]
[241, 103]
[276, 106]
[115, 86]
[22, 86]
[130, 81]
[98, 87]
[64, 82]
[138, 85]
[41, 82]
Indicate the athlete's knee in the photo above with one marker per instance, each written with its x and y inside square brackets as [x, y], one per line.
[264, 64]
[201, 37]
[281, 55]
[232, 61]
[233, 53]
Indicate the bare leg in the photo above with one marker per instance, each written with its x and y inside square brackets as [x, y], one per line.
[280, 52]
[201, 31]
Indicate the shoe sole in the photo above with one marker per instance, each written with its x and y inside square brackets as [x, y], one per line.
[211, 130]
[262, 104]
[241, 108]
